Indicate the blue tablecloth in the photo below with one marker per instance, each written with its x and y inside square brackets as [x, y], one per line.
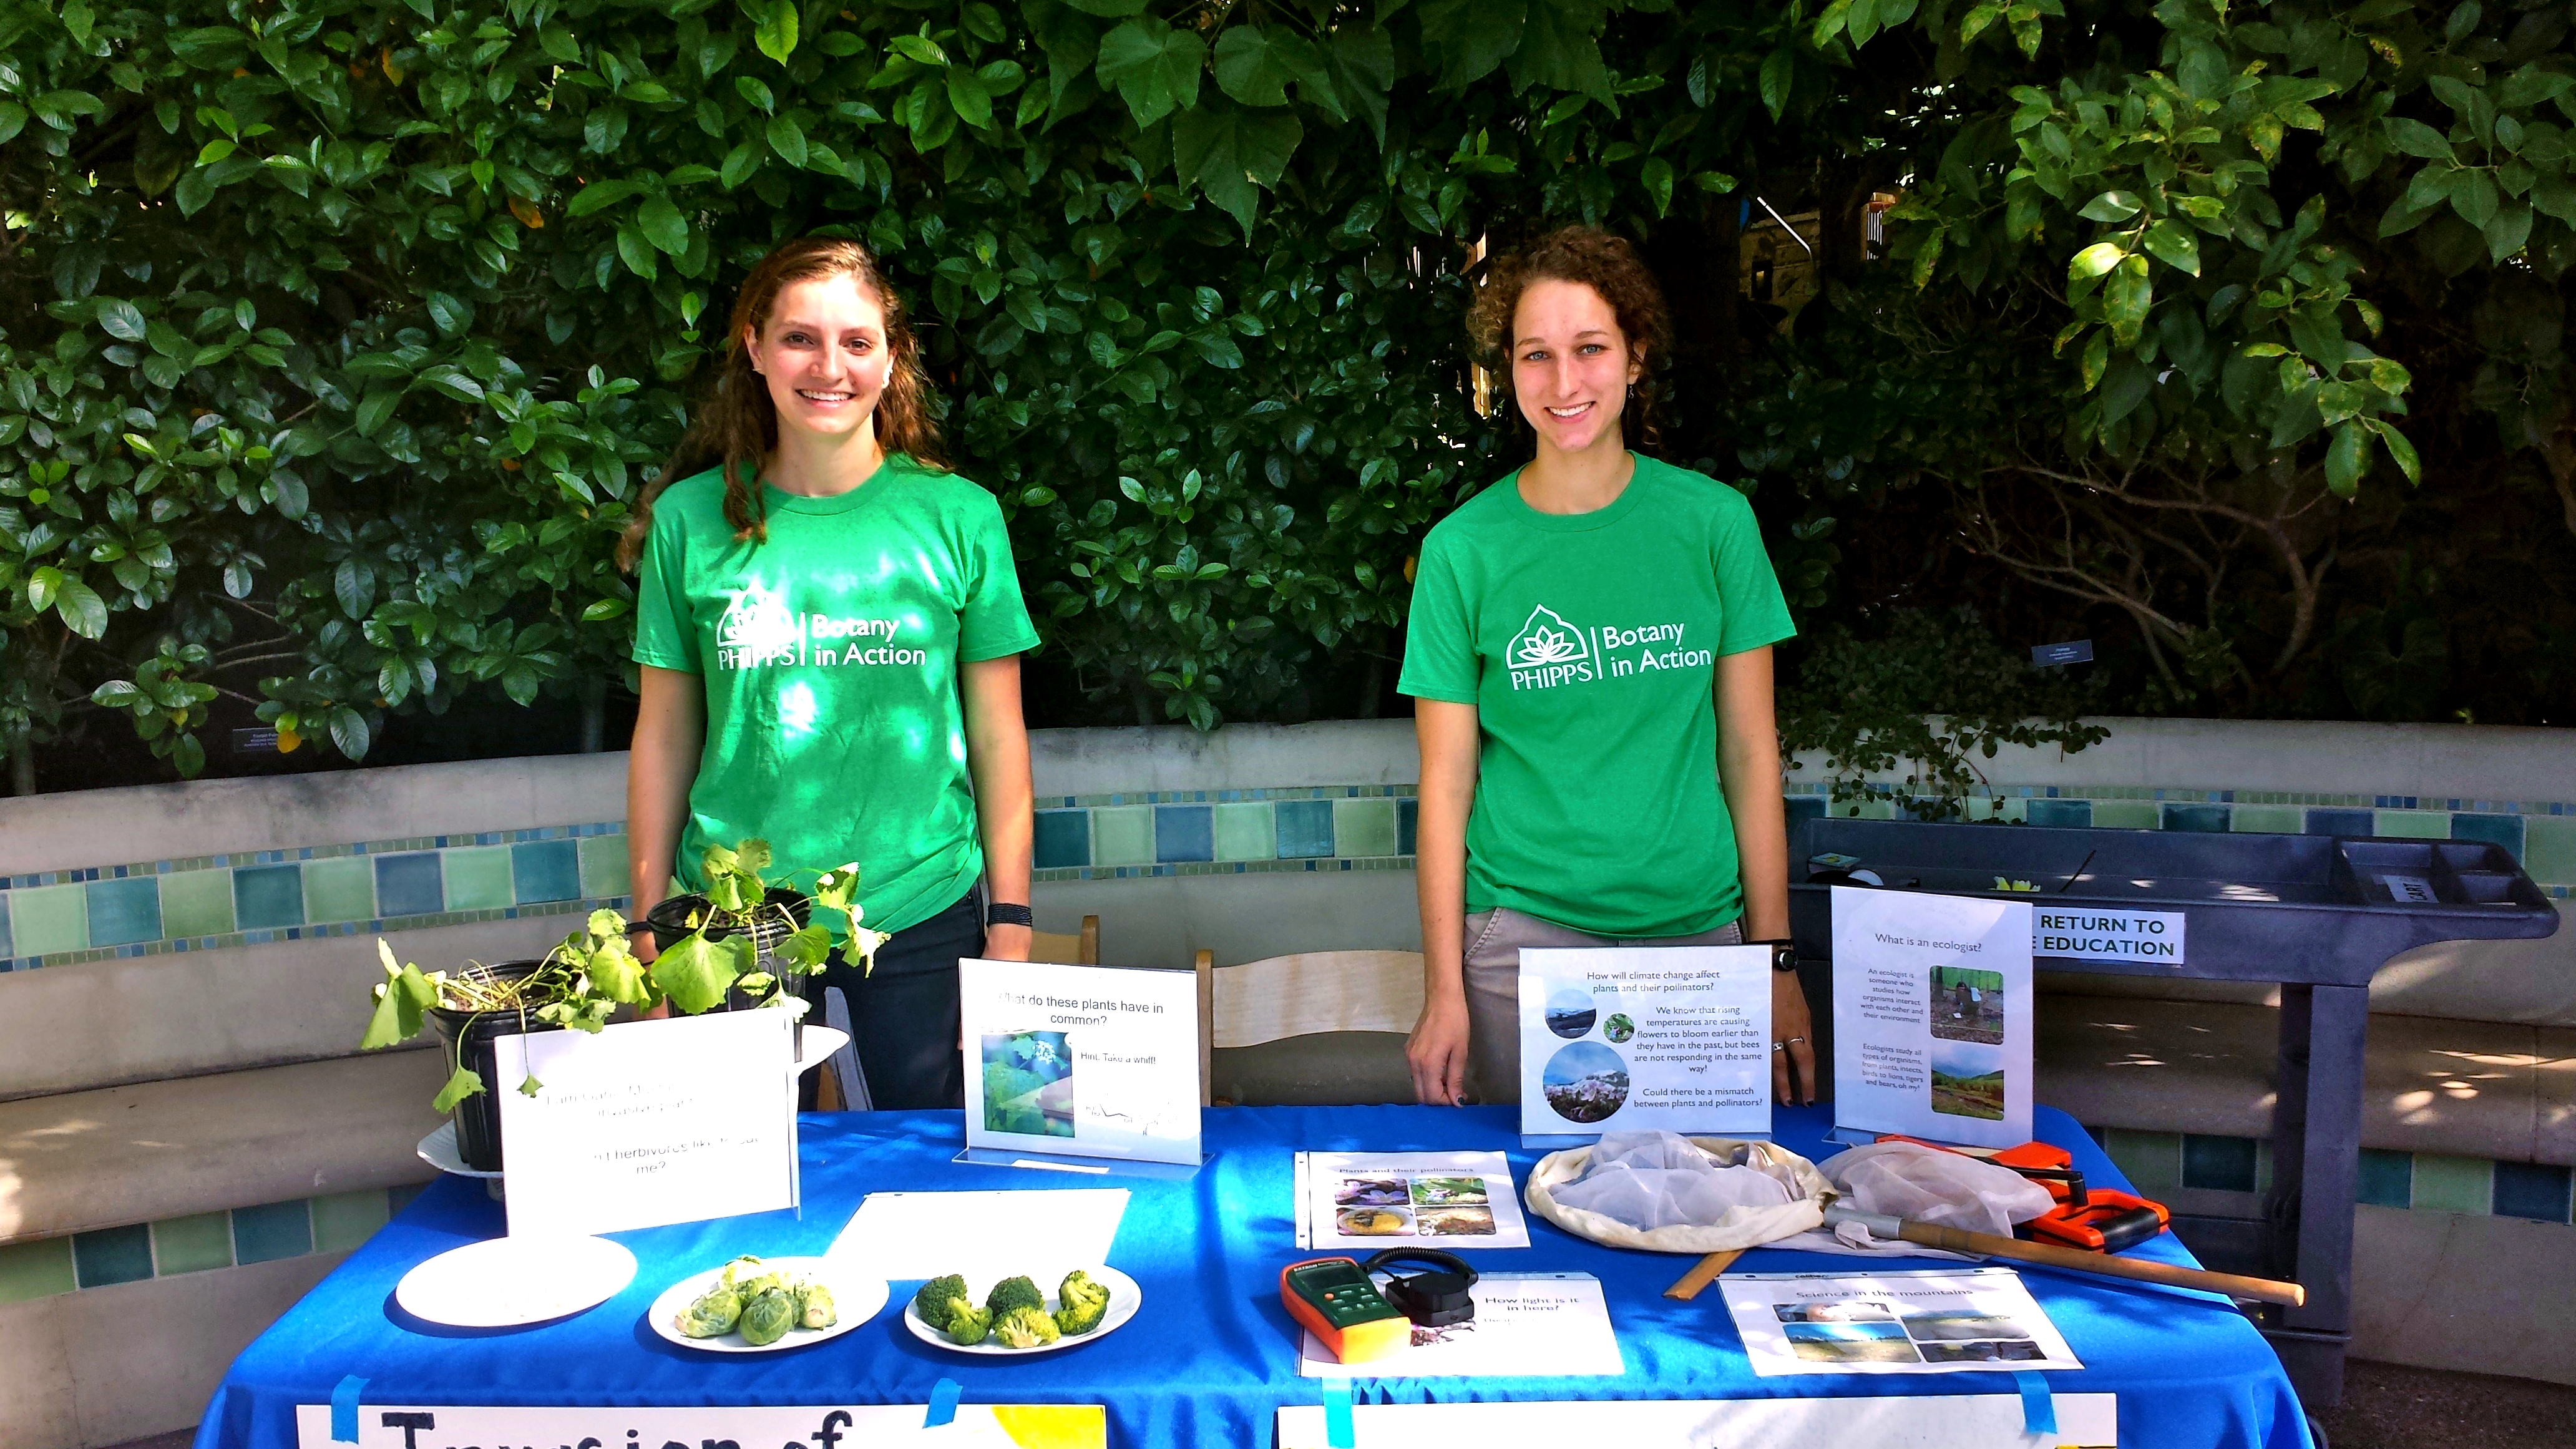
[1211, 1354]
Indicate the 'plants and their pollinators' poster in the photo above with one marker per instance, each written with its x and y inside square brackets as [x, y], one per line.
[1081, 1061]
[1932, 1006]
[1625, 1038]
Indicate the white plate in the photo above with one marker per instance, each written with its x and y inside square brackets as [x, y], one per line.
[438, 1149]
[1124, 1299]
[856, 1296]
[506, 1282]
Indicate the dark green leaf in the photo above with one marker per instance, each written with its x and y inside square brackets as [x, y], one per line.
[80, 608]
[662, 223]
[119, 319]
[600, 194]
[1467, 39]
[1232, 153]
[1154, 68]
[785, 137]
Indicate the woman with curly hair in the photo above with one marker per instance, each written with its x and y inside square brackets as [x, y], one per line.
[1590, 658]
[828, 627]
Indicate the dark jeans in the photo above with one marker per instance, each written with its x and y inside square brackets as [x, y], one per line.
[904, 1015]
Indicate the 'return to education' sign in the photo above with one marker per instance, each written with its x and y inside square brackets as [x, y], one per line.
[2154, 937]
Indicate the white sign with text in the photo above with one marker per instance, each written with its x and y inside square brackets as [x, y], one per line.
[1632, 1038]
[451, 1426]
[649, 1122]
[2091, 933]
[1932, 1007]
[1082, 1061]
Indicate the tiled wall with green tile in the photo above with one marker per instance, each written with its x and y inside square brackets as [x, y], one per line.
[2423, 1181]
[200, 1243]
[92, 913]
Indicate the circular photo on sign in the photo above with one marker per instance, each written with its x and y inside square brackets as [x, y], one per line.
[1618, 1028]
[1570, 1012]
[1585, 1082]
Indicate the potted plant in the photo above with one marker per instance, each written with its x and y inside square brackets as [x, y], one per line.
[733, 951]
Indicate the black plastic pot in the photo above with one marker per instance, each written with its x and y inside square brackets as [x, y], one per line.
[669, 923]
[478, 1118]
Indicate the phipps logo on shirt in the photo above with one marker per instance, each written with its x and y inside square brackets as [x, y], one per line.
[759, 629]
[1548, 651]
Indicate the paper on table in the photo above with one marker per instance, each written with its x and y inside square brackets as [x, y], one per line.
[906, 1235]
[1364, 1201]
[1525, 1323]
[1892, 1323]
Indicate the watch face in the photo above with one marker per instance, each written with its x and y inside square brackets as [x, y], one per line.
[1784, 957]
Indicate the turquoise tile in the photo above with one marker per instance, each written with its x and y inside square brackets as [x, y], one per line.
[268, 896]
[1244, 831]
[346, 1219]
[478, 877]
[113, 1255]
[1364, 828]
[5, 952]
[2339, 822]
[196, 903]
[2268, 820]
[1122, 835]
[2454, 1184]
[2413, 824]
[2387, 1178]
[2208, 819]
[2548, 853]
[39, 1269]
[2504, 830]
[603, 866]
[1305, 829]
[407, 884]
[340, 889]
[2220, 1164]
[1407, 813]
[192, 1244]
[272, 1231]
[123, 912]
[544, 870]
[2060, 814]
[1183, 833]
[1063, 839]
[47, 919]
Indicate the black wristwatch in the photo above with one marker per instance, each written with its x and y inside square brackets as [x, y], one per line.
[1004, 913]
[1784, 954]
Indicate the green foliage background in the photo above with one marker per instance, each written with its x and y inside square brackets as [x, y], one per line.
[340, 334]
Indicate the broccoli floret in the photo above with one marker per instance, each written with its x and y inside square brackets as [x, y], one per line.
[1026, 1326]
[1081, 1302]
[1013, 1293]
[968, 1325]
[933, 1299]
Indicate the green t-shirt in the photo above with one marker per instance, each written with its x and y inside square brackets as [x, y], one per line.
[830, 657]
[1588, 643]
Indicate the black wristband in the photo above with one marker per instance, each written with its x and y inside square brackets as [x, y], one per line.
[1004, 913]
[1784, 954]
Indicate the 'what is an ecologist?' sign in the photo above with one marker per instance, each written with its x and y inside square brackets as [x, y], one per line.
[2149, 937]
[951, 1425]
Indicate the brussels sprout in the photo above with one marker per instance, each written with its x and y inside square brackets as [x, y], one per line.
[1080, 1304]
[1026, 1327]
[741, 1271]
[814, 1307]
[767, 1317]
[968, 1325]
[714, 1312]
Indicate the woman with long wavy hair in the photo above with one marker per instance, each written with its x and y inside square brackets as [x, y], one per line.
[828, 630]
[1590, 658]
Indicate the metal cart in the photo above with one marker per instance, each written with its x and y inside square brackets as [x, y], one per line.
[2317, 914]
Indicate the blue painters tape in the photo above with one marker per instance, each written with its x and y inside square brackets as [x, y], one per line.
[2038, 1409]
[943, 1404]
[1338, 1433]
[344, 1409]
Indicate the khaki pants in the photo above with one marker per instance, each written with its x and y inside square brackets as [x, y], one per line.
[1495, 940]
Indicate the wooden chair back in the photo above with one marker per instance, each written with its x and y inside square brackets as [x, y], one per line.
[1068, 948]
[1299, 995]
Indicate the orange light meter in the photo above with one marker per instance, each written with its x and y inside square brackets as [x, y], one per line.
[1338, 1303]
